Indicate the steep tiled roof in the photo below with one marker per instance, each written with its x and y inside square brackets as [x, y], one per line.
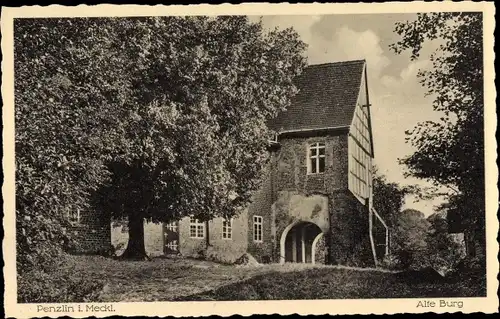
[327, 97]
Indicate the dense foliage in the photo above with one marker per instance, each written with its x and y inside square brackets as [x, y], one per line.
[61, 103]
[415, 241]
[444, 251]
[388, 198]
[161, 117]
[450, 152]
[198, 115]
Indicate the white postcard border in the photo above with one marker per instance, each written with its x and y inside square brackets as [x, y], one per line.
[487, 304]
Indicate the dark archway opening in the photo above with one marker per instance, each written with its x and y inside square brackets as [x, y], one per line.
[300, 242]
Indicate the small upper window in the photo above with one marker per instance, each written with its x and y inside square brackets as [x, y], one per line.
[316, 159]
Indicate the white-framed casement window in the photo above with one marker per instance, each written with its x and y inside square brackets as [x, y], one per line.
[316, 158]
[257, 229]
[227, 228]
[196, 228]
[73, 216]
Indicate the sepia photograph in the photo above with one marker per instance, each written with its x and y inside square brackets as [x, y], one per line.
[253, 156]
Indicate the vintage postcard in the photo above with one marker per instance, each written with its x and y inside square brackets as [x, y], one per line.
[249, 159]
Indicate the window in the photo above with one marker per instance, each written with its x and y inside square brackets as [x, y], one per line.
[172, 226]
[316, 158]
[73, 216]
[196, 228]
[227, 228]
[273, 137]
[172, 246]
[257, 229]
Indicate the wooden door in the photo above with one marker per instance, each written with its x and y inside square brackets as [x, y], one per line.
[171, 238]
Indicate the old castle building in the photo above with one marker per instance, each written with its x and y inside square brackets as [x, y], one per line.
[315, 204]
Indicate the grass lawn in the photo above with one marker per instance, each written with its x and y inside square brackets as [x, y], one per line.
[164, 279]
[161, 279]
[338, 283]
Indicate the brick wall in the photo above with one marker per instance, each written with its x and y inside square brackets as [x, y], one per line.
[289, 194]
[92, 233]
[262, 201]
[349, 241]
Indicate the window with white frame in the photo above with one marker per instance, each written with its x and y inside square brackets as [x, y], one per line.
[227, 228]
[172, 226]
[257, 229]
[73, 216]
[196, 228]
[316, 160]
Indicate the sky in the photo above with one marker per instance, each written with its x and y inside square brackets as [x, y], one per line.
[398, 99]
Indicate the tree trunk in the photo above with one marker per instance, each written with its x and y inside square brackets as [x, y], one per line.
[207, 234]
[135, 247]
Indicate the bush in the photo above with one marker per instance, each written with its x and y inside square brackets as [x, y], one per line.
[38, 286]
[390, 262]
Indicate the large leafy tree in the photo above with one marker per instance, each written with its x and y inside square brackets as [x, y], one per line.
[407, 227]
[388, 198]
[203, 90]
[450, 152]
[177, 110]
[444, 251]
[62, 98]
[410, 248]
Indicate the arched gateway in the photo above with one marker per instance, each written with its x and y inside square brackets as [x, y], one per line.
[299, 242]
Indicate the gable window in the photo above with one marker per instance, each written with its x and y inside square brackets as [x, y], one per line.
[316, 160]
[227, 228]
[257, 229]
[196, 228]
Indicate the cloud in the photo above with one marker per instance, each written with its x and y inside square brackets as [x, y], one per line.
[407, 78]
[303, 25]
[348, 44]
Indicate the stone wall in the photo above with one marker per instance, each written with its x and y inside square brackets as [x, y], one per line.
[291, 165]
[287, 195]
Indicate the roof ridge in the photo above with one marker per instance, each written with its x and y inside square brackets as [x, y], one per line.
[336, 63]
